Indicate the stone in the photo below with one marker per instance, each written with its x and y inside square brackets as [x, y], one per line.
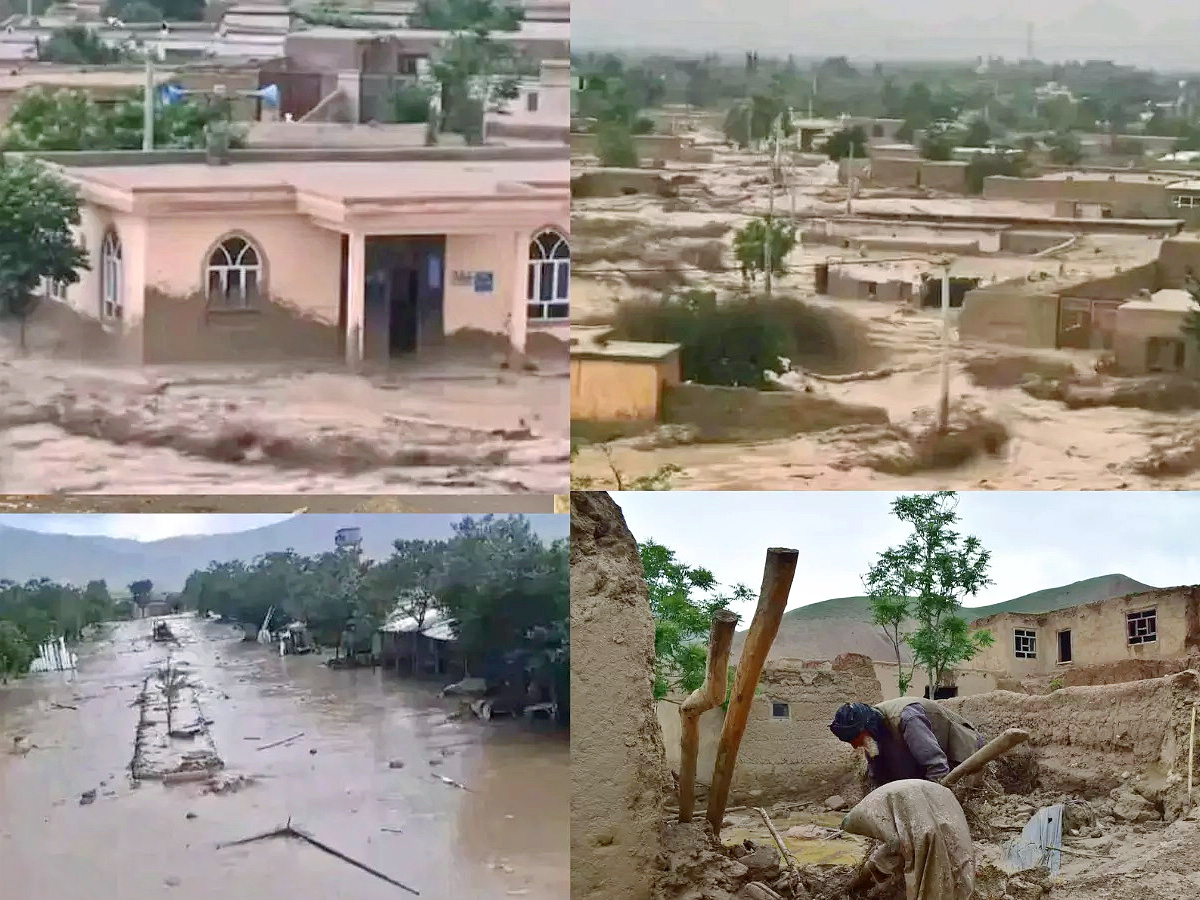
[190, 815]
[836, 802]
[762, 862]
[1133, 807]
[87, 797]
[396, 764]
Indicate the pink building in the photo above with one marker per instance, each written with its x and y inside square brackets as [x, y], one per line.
[290, 254]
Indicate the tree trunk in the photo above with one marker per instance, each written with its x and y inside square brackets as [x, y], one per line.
[708, 695]
[772, 599]
[22, 321]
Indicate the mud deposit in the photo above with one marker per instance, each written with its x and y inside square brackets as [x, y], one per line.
[504, 835]
[457, 425]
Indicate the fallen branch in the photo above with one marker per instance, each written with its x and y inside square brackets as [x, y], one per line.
[787, 854]
[450, 781]
[289, 831]
[280, 743]
[63, 706]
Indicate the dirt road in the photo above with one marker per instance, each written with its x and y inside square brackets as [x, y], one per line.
[504, 835]
[463, 426]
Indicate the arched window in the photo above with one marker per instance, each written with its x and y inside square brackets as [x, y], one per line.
[234, 275]
[112, 278]
[549, 277]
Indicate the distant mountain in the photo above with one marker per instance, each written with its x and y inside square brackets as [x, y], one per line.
[77, 559]
[843, 625]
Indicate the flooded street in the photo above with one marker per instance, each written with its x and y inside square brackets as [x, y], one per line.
[503, 833]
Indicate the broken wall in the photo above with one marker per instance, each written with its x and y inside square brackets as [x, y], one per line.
[1085, 738]
[792, 756]
[737, 413]
[619, 778]
[1010, 313]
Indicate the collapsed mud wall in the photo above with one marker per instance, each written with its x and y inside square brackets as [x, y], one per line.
[1085, 738]
[736, 413]
[619, 778]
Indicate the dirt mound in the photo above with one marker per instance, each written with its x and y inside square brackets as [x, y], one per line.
[1158, 393]
[921, 446]
[1003, 371]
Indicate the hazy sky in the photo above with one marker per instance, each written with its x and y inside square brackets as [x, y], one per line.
[1038, 539]
[1159, 33]
[141, 526]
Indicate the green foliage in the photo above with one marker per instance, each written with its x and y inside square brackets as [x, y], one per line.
[752, 240]
[41, 609]
[16, 653]
[78, 45]
[978, 133]
[134, 11]
[683, 600]
[69, 119]
[735, 342]
[615, 146]
[922, 581]
[411, 103]
[1191, 322]
[141, 590]
[455, 15]
[937, 147]
[613, 92]
[1065, 148]
[754, 119]
[1056, 683]
[840, 143]
[981, 166]
[37, 212]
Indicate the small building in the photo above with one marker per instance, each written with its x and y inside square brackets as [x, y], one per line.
[1184, 198]
[1161, 624]
[620, 380]
[1148, 334]
[425, 647]
[288, 254]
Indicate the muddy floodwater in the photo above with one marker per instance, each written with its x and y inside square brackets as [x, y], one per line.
[501, 833]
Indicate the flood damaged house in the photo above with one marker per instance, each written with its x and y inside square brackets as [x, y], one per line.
[284, 254]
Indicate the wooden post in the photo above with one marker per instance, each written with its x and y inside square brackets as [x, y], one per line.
[772, 599]
[708, 695]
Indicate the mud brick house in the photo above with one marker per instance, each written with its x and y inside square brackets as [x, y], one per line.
[280, 254]
[1140, 630]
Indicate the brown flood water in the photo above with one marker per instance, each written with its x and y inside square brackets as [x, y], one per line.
[504, 836]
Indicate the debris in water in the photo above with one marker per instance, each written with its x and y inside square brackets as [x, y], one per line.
[396, 764]
[294, 737]
[87, 797]
[450, 781]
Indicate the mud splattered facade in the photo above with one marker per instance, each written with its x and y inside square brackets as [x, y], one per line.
[313, 254]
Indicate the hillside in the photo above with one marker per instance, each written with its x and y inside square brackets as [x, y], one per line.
[77, 558]
[843, 624]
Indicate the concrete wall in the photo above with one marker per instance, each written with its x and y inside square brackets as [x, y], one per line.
[1010, 314]
[608, 390]
[1128, 199]
[650, 147]
[896, 172]
[1134, 328]
[944, 176]
[461, 306]
[733, 413]
[1097, 632]
[796, 756]
[619, 777]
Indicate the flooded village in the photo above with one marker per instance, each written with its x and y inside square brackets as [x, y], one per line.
[354, 699]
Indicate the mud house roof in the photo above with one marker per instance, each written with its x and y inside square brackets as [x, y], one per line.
[1188, 184]
[625, 351]
[437, 625]
[1166, 300]
[1125, 177]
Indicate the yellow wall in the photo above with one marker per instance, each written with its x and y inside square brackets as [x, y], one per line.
[606, 390]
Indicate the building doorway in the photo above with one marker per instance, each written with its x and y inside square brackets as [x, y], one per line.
[1064, 646]
[404, 295]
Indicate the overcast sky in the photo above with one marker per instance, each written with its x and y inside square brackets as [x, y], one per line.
[1159, 33]
[1038, 539]
[140, 526]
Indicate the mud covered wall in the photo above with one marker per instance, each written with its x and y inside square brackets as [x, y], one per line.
[619, 778]
[1090, 735]
[733, 413]
[1010, 314]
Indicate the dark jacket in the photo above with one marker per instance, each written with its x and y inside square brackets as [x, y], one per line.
[921, 739]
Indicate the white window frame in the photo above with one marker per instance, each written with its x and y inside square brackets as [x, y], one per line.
[1025, 643]
[787, 710]
[233, 270]
[112, 277]
[552, 261]
[54, 290]
[1143, 634]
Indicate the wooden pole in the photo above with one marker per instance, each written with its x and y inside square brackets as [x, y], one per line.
[777, 583]
[707, 696]
[1192, 751]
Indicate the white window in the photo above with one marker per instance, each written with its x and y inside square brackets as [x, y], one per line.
[1025, 643]
[112, 278]
[234, 276]
[1142, 627]
[549, 277]
[780, 710]
[54, 290]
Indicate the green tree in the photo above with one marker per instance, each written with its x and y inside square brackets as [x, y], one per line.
[140, 592]
[411, 103]
[978, 134]
[922, 582]
[16, 653]
[937, 147]
[1065, 148]
[615, 146]
[754, 119]
[78, 45]
[38, 211]
[156, 10]
[135, 11]
[752, 240]
[841, 142]
[683, 600]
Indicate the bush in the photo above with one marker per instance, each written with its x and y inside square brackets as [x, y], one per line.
[734, 343]
[981, 166]
[751, 241]
[410, 104]
[615, 146]
[15, 651]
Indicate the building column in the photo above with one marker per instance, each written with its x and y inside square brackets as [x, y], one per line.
[356, 297]
[518, 317]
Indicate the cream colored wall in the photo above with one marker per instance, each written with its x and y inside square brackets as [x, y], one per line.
[1134, 328]
[461, 306]
[968, 681]
[95, 221]
[303, 262]
[605, 390]
[1010, 315]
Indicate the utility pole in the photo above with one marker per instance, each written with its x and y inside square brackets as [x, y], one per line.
[769, 238]
[148, 104]
[943, 418]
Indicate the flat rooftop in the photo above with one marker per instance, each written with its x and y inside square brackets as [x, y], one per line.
[1127, 177]
[625, 351]
[1166, 300]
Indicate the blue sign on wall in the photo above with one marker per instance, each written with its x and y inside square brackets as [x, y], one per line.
[484, 282]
